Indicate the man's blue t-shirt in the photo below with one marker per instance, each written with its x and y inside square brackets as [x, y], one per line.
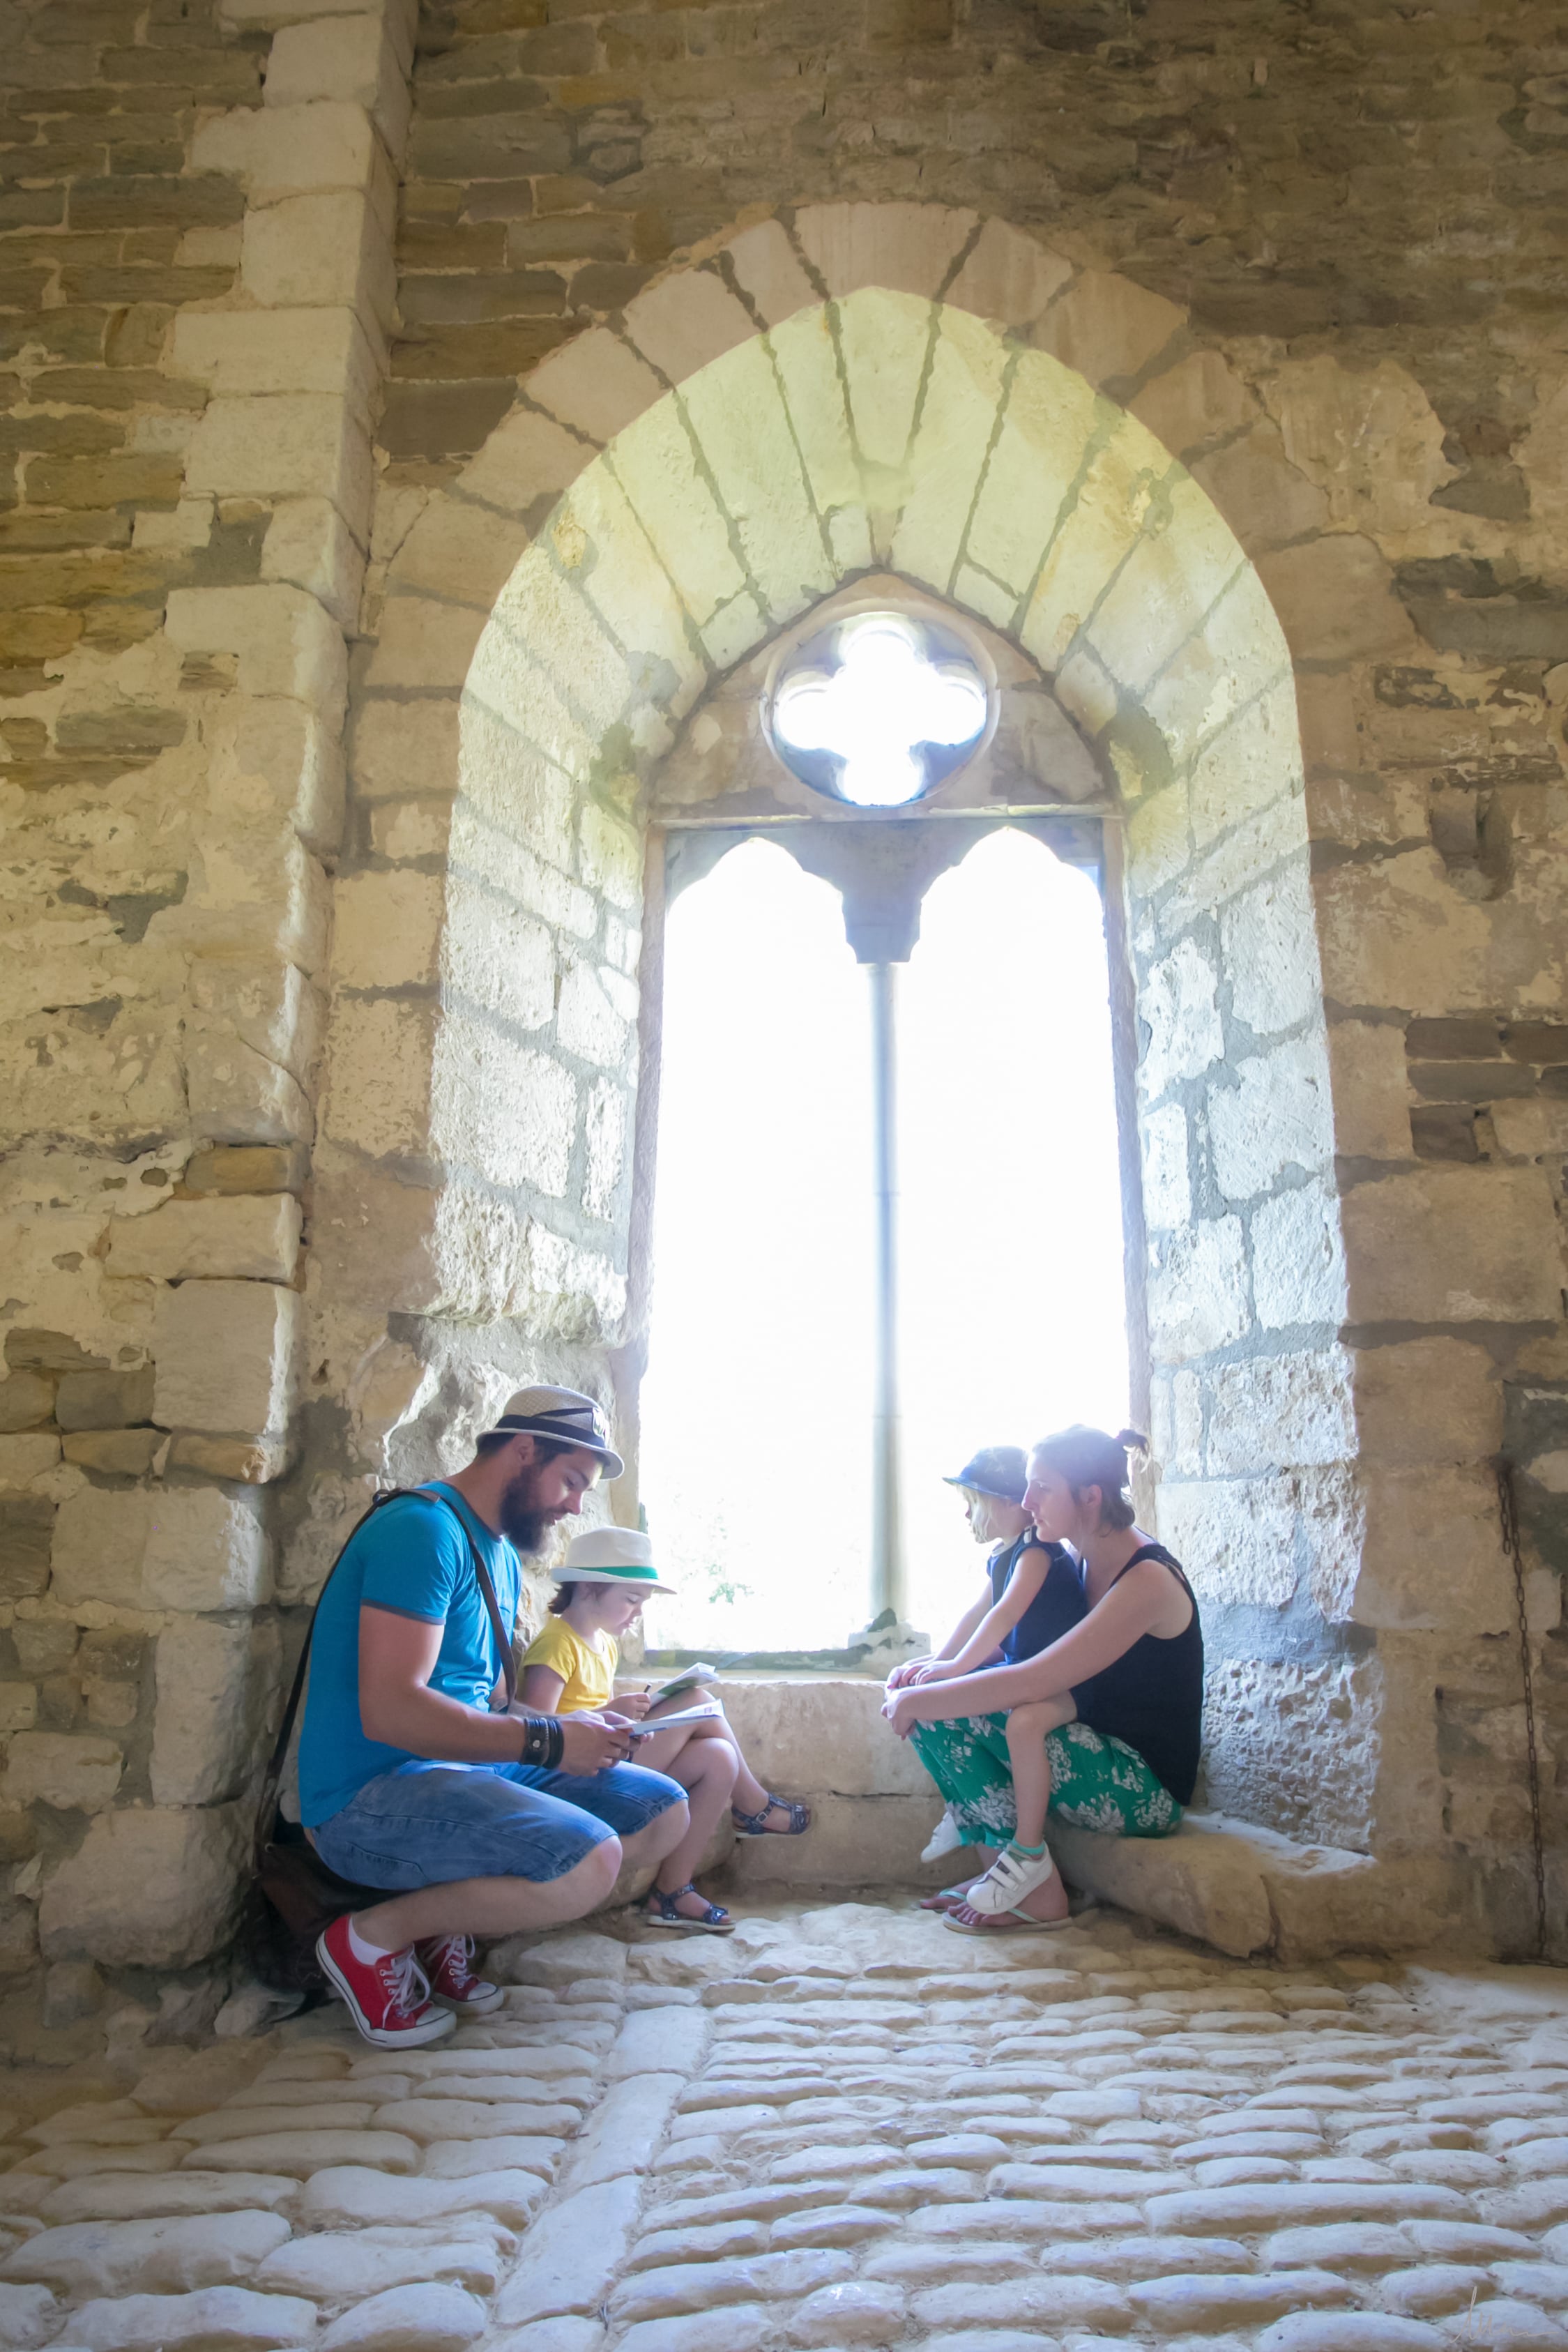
[411, 1558]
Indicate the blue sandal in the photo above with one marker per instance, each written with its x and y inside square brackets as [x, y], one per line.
[715, 1921]
[756, 1824]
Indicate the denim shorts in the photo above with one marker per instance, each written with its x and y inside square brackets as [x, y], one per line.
[424, 1824]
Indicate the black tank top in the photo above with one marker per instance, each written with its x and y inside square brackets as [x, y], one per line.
[1151, 1696]
[1056, 1607]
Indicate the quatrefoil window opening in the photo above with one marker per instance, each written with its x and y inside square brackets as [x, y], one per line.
[878, 709]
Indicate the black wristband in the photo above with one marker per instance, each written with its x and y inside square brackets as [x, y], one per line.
[543, 1741]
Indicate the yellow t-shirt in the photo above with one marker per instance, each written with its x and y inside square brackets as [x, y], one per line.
[587, 1671]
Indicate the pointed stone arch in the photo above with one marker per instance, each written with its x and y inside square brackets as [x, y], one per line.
[1048, 449]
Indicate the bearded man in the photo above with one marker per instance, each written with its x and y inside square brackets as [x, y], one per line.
[415, 1774]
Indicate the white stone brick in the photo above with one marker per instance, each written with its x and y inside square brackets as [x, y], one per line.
[355, 58]
[386, 930]
[1276, 1118]
[569, 2266]
[246, 353]
[28, 2317]
[148, 2257]
[1168, 1189]
[287, 151]
[285, 643]
[907, 248]
[409, 2319]
[216, 2319]
[325, 249]
[205, 1728]
[72, 1771]
[1297, 1259]
[225, 1357]
[686, 321]
[595, 384]
[1178, 1003]
[424, 645]
[334, 2264]
[1197, 1289]
[1008, 277]
[310, 544]
[767, 266]
[401, 748]
[284, 445]
[147, 1889]
[1105, 327]
[254, 1237]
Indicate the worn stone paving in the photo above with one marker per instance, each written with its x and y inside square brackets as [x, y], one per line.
[846, 2126]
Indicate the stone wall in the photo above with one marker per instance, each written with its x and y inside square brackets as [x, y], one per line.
[1312, 262]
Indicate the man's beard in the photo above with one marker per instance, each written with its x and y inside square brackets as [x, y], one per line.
[524, 1520]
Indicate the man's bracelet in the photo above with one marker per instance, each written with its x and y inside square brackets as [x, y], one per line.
[543, 1741]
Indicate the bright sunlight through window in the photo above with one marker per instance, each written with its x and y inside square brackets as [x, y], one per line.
[878, 716]
[757, 1407]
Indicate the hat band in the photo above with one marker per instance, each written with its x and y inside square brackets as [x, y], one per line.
[551, 1425]
[601, 1573]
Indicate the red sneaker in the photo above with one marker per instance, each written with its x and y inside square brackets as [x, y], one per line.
[387, 1997]
[453, 1983]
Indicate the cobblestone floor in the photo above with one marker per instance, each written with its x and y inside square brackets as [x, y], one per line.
[846, 2126]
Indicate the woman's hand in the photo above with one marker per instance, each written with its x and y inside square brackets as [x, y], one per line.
[933, 1670]
[904, 1711]
[909, 1671]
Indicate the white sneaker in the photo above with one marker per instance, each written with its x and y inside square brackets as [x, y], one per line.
[1010, 1877]
[946, 1838]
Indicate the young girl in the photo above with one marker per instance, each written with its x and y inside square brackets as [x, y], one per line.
[1032, 1596]
[568, 1668]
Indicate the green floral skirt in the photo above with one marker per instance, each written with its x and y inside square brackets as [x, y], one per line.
[1096, 1783]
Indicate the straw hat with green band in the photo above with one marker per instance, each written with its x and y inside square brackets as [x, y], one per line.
[612, 1556]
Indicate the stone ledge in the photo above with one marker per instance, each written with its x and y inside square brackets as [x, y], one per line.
[1249, 1891]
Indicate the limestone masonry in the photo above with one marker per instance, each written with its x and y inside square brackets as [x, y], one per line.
[424, 426]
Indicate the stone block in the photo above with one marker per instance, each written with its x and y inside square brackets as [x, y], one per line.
[204, 1550]
[330, 250]
[105, 1400]
[501, 960]
[169, 2256]
[225, 1357]
[400, 747]
[595, 384]
[215, 2319]
[243, 353]
[1007, 277]
[29, 2315]
[1414, 1519]
[285, 757]
[1297, 1259]
[682, 323]
[71, 1772]
[205, 1728]
[822, 1733]
[1264, 499]
[377, 1095]
[254, 1239]
[1195, 402]
[569, 2267]
[1275, 1118]
[1197, 1289]
[1334, 597]
[461, 550]
[386, 930]
[1269, 944]
[1371, 1090]
[27, 1400]
[768, 271]
[284, 445]
[429, 2318]
[1426, 1401]
[284, 642]
[24, 1458]
[424, 645]
[146, 1888]
[904, 248]
[845, 1830]
[1179, 1006]
[287, 151]
[357, 59]
[310, 544]
[1454, 1245]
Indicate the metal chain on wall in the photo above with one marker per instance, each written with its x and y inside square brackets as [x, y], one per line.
[1509, 1507]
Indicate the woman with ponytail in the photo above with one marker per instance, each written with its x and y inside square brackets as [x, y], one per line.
[1102, 1728]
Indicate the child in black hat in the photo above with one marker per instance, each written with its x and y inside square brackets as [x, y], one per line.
[1032, 1594]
